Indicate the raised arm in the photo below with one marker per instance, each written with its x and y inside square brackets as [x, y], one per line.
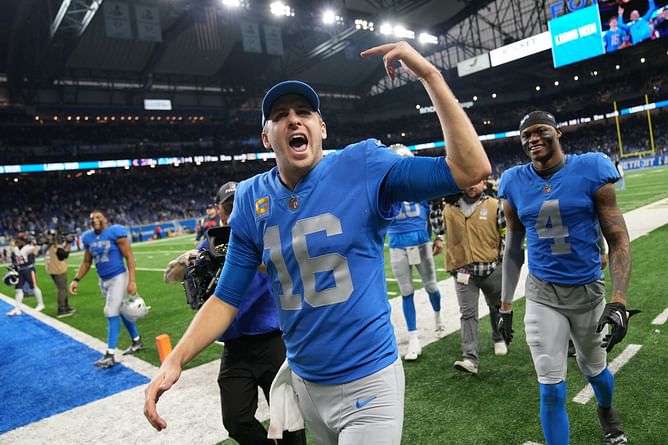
[465, 155]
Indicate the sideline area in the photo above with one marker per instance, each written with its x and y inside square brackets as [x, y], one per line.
[192, 409]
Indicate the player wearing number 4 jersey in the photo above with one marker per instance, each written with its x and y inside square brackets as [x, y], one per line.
[562, 203]
[318, 223]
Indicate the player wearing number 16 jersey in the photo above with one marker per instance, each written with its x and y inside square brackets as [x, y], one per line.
[562, 203]
[318, 223]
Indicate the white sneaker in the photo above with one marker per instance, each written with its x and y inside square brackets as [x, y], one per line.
[414, 349]
[466, 365]
[439, 327]
[500, 348]
[14, 312]
[39, 307]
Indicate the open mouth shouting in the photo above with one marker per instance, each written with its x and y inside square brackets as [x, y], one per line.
[298, 142]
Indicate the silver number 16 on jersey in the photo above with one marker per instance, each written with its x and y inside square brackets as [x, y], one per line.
[309, 266]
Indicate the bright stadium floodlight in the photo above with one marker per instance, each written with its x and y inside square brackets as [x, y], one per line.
[428, 38]
[328, 17]
[281, 9]
[232, 3]
[403, 33]
[363, 25]
[386, 29]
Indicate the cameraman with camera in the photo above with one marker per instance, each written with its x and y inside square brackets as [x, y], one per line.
[56, 250]
[254, 349]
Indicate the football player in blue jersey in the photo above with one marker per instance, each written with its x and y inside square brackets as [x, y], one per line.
[561, 203]
[108, 245]
[318, 223]
[410, 245]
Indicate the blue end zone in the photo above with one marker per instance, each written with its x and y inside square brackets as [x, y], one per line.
[45, 372]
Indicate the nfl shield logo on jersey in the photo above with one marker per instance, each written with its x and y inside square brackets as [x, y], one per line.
[547, 188]
[293, 202]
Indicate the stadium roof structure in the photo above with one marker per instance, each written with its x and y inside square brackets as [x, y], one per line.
[206, 43]
[206, 54]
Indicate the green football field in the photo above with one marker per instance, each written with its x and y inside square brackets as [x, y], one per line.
[500, 405]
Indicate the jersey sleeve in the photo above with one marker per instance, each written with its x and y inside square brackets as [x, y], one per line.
[418, 179]
[504, 186]
[119, 231]
[238, 272]
[379, 161]
[605, 169]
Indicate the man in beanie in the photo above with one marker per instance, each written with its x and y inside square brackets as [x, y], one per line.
[562, 203]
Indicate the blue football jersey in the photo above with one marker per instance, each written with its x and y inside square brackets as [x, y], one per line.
[409, 227]
[106, 254]
[558, 213]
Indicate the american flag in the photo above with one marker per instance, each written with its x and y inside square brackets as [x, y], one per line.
[206, 28]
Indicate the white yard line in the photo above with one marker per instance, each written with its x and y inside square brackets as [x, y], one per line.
[661, 318]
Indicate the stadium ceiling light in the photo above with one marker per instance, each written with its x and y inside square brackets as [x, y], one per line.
[232, 3]
[475, 98]
[576, 77]
[386, 29]
[594, 73]
[403, 33]
[417, 107]
[617, 67]
[537, 87]
[281, 9]
[329, 17]
[427, 38]
[642, 60]
[363, 25]
[556, 83]
[493, 95]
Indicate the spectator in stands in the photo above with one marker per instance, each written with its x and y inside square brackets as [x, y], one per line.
[661, 23]
[108, 245]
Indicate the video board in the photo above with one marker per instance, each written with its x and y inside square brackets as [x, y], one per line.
[605, 27]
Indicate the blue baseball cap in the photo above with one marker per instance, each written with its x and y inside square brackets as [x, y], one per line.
[285, 88]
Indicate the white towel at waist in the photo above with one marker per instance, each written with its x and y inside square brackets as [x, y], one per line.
[284, 412]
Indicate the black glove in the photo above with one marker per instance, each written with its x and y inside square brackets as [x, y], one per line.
[506, 326]
[616, 315]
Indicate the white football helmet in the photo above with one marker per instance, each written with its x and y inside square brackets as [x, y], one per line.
[11, 278]
[401, 150]
[134, 308]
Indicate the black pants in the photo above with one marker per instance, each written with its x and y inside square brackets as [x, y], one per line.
[249, 362]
